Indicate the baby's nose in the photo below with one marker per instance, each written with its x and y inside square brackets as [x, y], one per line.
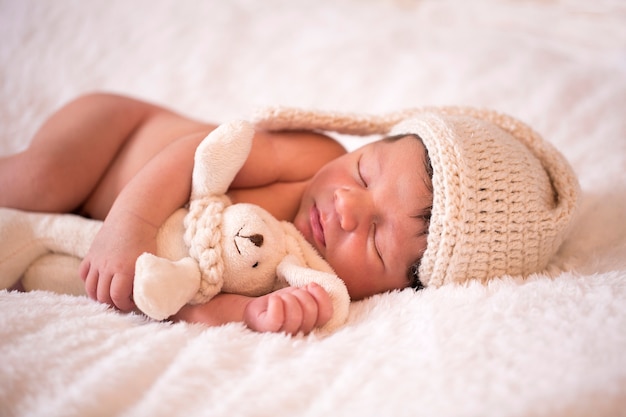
[350, 207]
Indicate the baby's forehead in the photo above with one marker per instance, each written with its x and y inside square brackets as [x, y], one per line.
[412, 172]
[422, 159]
[404, 161]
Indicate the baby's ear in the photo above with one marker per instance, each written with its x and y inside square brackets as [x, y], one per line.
[220, 156]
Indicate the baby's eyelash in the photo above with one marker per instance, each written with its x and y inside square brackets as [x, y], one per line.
[358, 169]
[380, 256]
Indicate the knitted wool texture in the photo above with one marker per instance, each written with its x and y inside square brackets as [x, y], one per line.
[503, 197]
[203, 235]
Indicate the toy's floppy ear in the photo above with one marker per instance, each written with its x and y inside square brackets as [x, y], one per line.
[299, 276]
[219, 157]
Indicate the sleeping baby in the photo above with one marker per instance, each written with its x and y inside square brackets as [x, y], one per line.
[446, 195]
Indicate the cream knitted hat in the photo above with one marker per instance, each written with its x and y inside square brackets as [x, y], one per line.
[503, 197]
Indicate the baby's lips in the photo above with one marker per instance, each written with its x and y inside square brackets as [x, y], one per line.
[316, 226]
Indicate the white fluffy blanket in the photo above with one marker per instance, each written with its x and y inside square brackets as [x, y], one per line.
[540, 347]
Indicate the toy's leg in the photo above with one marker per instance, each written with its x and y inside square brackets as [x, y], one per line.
[54, 272]
[26, 236]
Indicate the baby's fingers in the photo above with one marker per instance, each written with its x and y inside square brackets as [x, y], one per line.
[308, 310]
[103, 286]
[90, 276]
[273, 317]
[83, 269]
[293, 313]
[114, 290]
[265, 314]
[323, 302]
[120, 291]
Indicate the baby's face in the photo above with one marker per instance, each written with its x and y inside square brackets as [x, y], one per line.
[364, 214]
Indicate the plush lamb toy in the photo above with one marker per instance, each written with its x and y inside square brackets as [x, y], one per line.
[212, 247]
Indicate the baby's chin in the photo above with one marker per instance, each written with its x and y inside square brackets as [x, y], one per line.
[309, 238]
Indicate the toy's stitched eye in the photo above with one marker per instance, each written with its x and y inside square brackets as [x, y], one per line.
[255, 265]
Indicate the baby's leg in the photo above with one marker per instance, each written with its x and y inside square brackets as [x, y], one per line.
[70, 153]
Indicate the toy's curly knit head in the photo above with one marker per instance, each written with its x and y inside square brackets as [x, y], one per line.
[503, 198]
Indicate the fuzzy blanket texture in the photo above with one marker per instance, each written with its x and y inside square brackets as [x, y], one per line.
[544, 346]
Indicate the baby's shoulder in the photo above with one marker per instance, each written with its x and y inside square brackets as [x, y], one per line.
[299, 155]
[287, 157]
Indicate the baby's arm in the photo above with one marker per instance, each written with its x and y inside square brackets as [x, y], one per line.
[290, 310]
[131, 226]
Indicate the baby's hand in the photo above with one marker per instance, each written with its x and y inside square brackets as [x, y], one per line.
[108, 270]
[290, 310]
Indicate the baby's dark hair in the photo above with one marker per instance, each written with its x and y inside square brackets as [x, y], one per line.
[413, 270]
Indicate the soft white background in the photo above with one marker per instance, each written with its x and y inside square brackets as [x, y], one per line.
[540, 347]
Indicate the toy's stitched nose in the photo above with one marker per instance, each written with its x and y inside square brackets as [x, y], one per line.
[257, 239]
